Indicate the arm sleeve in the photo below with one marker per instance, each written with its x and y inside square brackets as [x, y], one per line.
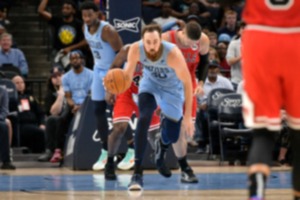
[201, 72]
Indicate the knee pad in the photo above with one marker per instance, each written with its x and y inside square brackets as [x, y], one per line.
[170, 130]
[295, 144]
[99, 108]
[262, 147]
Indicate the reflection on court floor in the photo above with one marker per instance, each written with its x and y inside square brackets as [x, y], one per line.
[152, 182]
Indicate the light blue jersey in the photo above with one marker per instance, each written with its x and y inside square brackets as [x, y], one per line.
[161, 81]
[103, 53]
[78, 85]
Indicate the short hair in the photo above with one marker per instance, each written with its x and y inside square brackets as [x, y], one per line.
[151, 28]
[193, 30]
[6, 35]
[70, 2]
[87, 5]
[230, 12]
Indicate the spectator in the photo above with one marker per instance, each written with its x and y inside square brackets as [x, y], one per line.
[214, 80]
[31, 119]
[4, 135]
[57, 112]
[230, 27]
[76, 84]
[222, 51]
[213, 39]
[150, 10]
[213, 55]
[165, 15]
[233, 57]
[3, 20]
[68, 33]
[12, 56]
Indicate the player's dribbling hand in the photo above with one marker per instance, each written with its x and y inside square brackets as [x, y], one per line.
[189, 126]
[110, 98]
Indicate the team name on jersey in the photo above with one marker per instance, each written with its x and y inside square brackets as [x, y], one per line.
[190, 57]
[157, 72]
[94, 44]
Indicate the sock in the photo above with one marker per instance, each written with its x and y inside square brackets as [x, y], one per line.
[130, 145]
[110, 160]
[183, 163]
[257, 185]
[138, 169]
[104, 145]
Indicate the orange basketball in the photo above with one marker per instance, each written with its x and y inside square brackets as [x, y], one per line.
[116, 81]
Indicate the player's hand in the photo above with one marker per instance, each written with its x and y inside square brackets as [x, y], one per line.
[110, 98]
[189, 126]
[199, 90]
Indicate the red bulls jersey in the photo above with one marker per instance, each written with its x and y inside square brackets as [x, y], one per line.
[274, 13]
[191, 55]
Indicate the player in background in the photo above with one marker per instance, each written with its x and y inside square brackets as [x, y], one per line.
[194, 46]
[104, 42]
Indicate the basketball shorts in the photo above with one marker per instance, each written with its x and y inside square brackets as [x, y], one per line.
[271, 71]
[124, 108]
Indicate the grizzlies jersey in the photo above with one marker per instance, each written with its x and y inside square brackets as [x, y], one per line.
[159, 72]
[103, 53]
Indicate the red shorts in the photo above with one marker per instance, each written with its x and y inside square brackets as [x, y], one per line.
[271, 69]
[124, 108]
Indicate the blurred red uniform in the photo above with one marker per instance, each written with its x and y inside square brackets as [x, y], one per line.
[271, 60]
[126, 103]
[192, 59]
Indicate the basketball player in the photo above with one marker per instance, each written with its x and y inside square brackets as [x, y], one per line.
[271, 72]
[104, 42]
[166, 83]
[192, 43]
[124, 107]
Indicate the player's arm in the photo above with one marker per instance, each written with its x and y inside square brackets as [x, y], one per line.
[203, 65]
[166, 36]
[132, 60]
[177, 62]
[111, 36]
[121, 57]
[42, 10]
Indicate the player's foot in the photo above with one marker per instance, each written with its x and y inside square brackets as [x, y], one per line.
[101, 162]
[160, 159]
[188, 176]
[136, 183]
[109, 172]
[128, 161]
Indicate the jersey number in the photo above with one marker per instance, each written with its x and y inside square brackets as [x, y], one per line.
[279, 4]
[96, 55]
[136, 80]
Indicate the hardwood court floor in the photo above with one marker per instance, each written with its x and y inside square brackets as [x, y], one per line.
[216, 183]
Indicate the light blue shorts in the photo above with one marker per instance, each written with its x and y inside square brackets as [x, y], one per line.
[169, 99]
[98, 92]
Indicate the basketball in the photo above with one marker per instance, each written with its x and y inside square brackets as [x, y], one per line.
[116, 81]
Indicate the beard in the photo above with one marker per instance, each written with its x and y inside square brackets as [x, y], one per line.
[66, 16]
[76, 67]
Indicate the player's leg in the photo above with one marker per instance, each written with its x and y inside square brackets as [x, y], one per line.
[98, 95]
[291, 103]
[147, 105]
[262, 102]
[171, 108]
[180, 150]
